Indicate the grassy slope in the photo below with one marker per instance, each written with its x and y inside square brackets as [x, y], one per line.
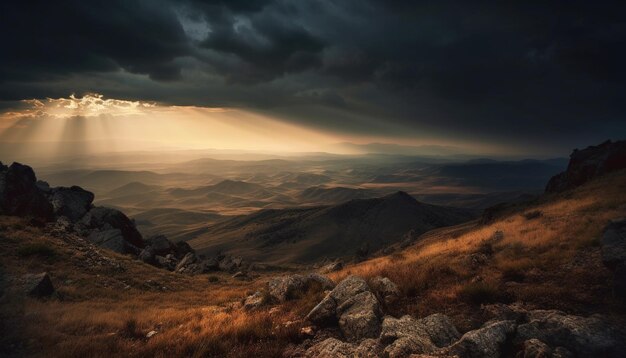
[550, 262]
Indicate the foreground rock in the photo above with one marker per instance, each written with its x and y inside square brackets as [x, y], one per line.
[37, 285]
[333, 347]
[591, 162]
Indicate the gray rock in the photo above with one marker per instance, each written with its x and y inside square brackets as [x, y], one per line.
[405, 346]
[348, 288]
[386, 291]
[286, 288]
[335, 348]
[289, 287]
[188, 260]
[147, 255]
[73, 202]
[112, 239]
[332, 267]
[37, 285]
[534, 348]
[359, 317]
[160, 245]
[254, 301]
[588, 336]
[405, 336]
[100, 218]
[488, 341]
[440, 329]
[324, 314]
[168, 262]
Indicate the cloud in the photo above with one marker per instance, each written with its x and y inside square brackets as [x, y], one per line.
[550, 71]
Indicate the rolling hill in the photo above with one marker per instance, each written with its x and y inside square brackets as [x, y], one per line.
[304, 235]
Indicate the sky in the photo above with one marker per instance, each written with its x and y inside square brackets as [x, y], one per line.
[487, 77]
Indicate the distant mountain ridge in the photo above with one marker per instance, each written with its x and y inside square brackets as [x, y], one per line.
[303, 235]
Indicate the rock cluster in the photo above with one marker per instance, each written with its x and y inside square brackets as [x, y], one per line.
[357, 309]
[591, 162]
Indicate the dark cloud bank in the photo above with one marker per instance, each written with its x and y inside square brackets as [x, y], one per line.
[535, 73]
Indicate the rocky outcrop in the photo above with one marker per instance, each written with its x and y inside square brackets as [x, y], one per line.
[515, 332]
[589, 163]
[19, 194]
[112, 239]
[102, 218]
[73, 202]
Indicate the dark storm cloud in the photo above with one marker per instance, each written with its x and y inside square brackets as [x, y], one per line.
[494, 71]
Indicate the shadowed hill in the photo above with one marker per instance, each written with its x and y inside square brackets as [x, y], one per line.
[311, 234]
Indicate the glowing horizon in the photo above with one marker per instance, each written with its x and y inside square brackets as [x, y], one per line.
[96, 124]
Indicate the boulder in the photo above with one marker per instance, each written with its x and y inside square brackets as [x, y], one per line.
[386, 291]
[488, 341]
[181, 249]
[186, 262]
[359, 317]
[534, 348]
[101, 218]
[37, 285]
[405, 346]
[19, 194]
[332, 267]
[147, 255]
[348, 288]
[112, 239]
[254, 301]
[211, 264]
[285, 288]
[73, 202]
[405, 336]
[589, 163]
[324, 314]
[440, 329]
[168, 262]
[160, 245]
[335, 348]
[588, 336]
